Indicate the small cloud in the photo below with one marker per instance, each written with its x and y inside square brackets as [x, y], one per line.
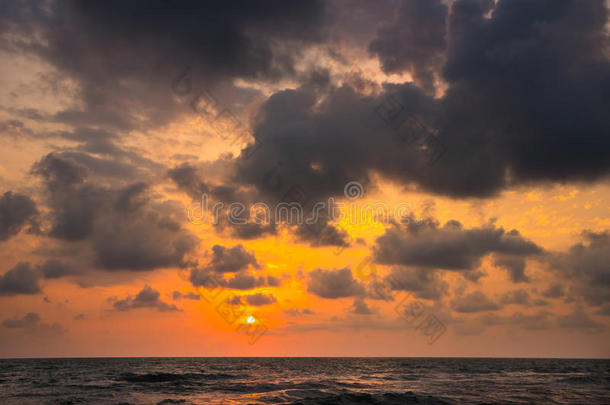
[334, 284]
[360, 307]
[474, 302]
[298, 311]
[31, 324]
[176, 295]
[146, 298]
[260, 299]
[231, 260]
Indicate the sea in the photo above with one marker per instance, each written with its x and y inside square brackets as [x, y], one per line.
[304, 381]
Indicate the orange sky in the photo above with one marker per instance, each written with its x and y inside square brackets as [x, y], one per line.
[79, 313]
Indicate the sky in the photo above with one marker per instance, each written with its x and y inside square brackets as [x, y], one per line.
[341, 178]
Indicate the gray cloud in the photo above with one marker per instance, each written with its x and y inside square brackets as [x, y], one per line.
[334, 284]
[260, 299]
[230, 260]
[121, 225]
[449, 247]
[146, 298]
[554, 290]
[474, 302]
[129, 85]
[298, 311]
[189, 296]
[579, 319]
[360, 307]
[515, 267]
[56, 269]
[422, 283]
[505, 118]
[16, 210]
[31, 324]
[519, 297]
[586, 267]
[415, 41]
[21, 279]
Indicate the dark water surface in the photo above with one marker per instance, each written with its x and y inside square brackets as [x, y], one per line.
[304, 381]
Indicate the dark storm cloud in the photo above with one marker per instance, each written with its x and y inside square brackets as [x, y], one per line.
[123, 228]
[21, 279]
[146, 298]
[586, 266]
[31, 323]
[16, 210]
[132, 50]
[527, 101]
[450, 247]
[231, 260]
[474, 302]
[334, 284]
[414, 41]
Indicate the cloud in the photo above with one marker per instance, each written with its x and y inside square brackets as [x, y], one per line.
[21, 279]
[30, 323]
[241, 280]
[538, 321]
[123, 227]
[16, 210]
[51, 269]
[554, 290]
[146, 298]
[474, 302]
[585, 266]
[334, 284]
[322, 233]
[118, 88]
[260, 299]
[422, 283]
[415, 41]
[578, 319]
[189, 296]
[505, 119]
[298, 312]
[519, 297]
[515, 267]
[360, 307]
[450, 247]
[230, 260]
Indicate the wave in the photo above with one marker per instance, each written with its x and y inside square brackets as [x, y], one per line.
[390, 398]
[173, 377]
[583, 379]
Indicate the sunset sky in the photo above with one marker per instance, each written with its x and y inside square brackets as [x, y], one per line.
[478, 129]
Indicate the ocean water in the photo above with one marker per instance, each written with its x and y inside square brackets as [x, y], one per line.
[304, 381]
